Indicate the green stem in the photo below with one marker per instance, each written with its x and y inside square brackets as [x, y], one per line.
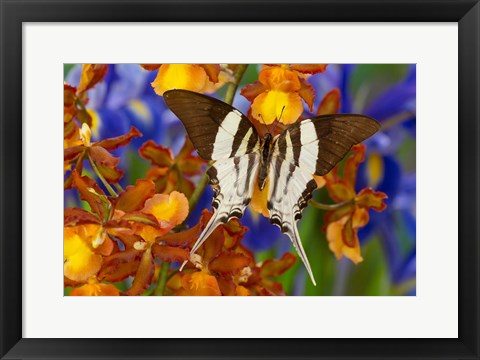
[100, 176]
[119, 187]
[162, 279]
[232, 87]
[202, 184]
[329, 207]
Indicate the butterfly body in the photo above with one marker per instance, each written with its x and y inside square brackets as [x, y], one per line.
[266, 150]
[241, 159]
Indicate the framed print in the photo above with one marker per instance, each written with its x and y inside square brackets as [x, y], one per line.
[240, 150]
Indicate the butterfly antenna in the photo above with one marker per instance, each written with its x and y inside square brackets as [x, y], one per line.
[281, 113]
[264, 123]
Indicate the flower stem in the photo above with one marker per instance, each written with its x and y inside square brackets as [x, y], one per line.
[162, 279]
[232, 87]
[330, 206]
[119, 187]
[100, 176]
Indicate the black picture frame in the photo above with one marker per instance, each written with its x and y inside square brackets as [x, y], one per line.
[15, 12]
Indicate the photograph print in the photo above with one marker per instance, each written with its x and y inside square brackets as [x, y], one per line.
[239, 180]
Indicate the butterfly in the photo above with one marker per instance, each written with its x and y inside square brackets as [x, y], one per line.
[241, 159]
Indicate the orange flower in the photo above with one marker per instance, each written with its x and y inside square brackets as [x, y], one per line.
[94, 288]
[172, 173]
[223, 266]
[279, 92]
[194, 77]
[82, 254]
[342, 224]
[98, 153]
[136, 218]
[74, 100]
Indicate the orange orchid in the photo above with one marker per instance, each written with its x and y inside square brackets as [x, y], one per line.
[74, 100]
[98, 153]
[279, 93]
[342, 224]
[94, 288]
[143, 243]
[136, 218]
[222, 266]
[195, 77]
[172, 173]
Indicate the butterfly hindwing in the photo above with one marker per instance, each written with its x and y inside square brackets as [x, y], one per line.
[232, 180]
[310, 147]
[289, 191]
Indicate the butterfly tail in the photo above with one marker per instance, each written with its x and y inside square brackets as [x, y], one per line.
[214, 222]
[295, 238]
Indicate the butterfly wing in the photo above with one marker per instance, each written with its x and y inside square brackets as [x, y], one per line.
[310, 147]
[316, 145]
[221, 133]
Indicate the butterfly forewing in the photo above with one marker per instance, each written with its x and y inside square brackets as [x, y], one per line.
[316, 145]
[216, 129]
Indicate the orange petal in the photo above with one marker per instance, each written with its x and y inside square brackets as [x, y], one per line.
[91, 75]
[330, 103]
[189, 163]
[320, 180]
[179, 76]
[106, 163]
[337, 245]
[185, 238]
[360, 217]
[371, 199]
[144, 276]
[75, 216]
[134, 196]
[157, 154]
[279, 78]
[307, 92]
[120, 265]
[95, 290]
[340, 192]
[200, 284]
[90, 192]
[352, 163]
[169, 253]
[251, 91]
[150, 67]
[229, 262]
[276, 267]
[151, 233]
[348, 233]
[79, 258]
[212, 71]
[272, 105]
[309, 68]
[243, 291]
[171, 208]
[259, 199]
[122, 140]
[72, 153]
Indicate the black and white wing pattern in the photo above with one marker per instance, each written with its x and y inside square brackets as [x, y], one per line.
[220, 133]
[310, 147]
